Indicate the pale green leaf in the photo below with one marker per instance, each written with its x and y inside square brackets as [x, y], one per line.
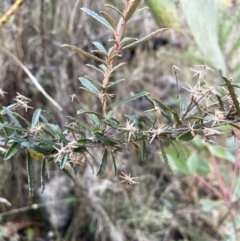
[98, 18]
[201, 19]
[36, 116]
[85, 82]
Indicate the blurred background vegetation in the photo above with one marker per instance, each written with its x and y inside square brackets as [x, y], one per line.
[159, 208]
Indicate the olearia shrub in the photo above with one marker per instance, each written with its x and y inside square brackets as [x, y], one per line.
[208, 113]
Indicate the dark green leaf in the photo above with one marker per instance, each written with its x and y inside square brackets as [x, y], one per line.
[103, 164]
[30, 174]
[64, 160]
[109, 19]
[131, 98]
[85, 82]
[144, 39]
[12, 150]
[98, 18]
[133, 7]
[106, 140]
[84, 141]
[36, 116]
[74, 130]
[144, 151]
[69, 175]
[187, 136]
[112, 7]
[115, 82]
[57, 130]
[80, 51]
[80, 123]
[166, 108]
[164, 155]
[43, 175]
[12, 117]
[164, 113]
[114, 164]
[233, 95]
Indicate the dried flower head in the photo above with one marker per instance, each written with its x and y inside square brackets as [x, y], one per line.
[23, 101]
[127, 178]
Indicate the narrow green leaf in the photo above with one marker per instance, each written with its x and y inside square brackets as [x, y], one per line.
[12, 150]
[144, 151]
[233, 95]
[187, 136]
[89, 85]
[166, 108]
[82, 111]
[115, 9]
[36, 116]
[103, 67]
[221, 106]
[94, 118]
[115, 82]
[12, 117]
[80, 123]
[43, 175]
[30, 174]
[57, 130]
[96, 68]
[114, 164]
[144, 39]
[74, 130]
[4, 129]
[5, 126]
[164, 155]
[67, 173]
[164, 113]
[99, 52]
[109, 114]
[133, 7]
[64, 160]
[127, 40]
[131, 98]
[103, 164]
[80, 51]
[100, 47]
[109, 19]
[117, 66]
[98, 18]
[106, 140]
[93, 80]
